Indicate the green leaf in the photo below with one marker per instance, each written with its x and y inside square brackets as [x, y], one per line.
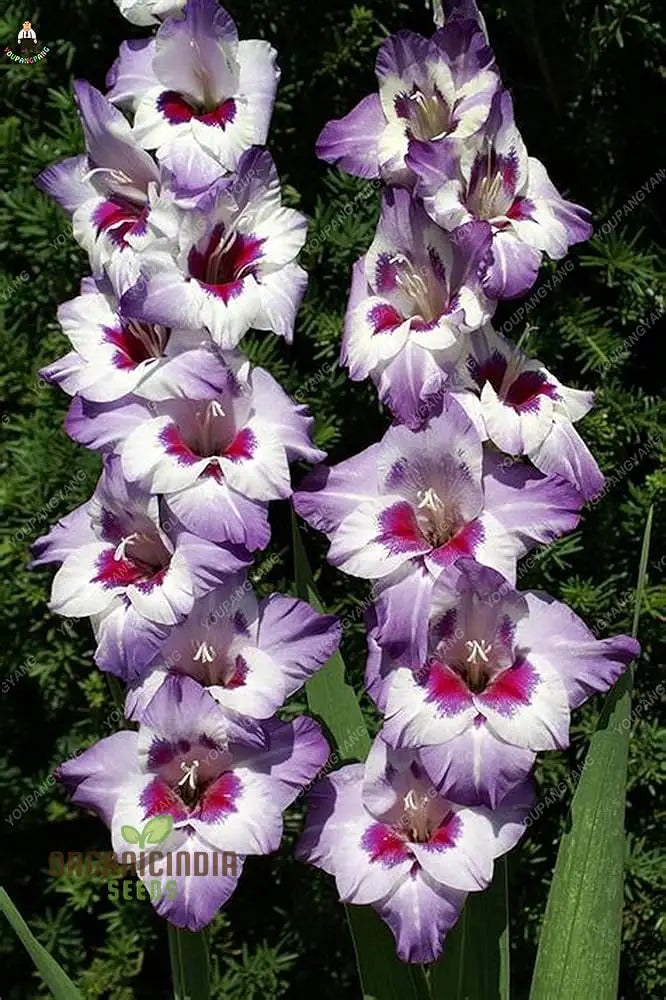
[190, 964]
[157, 829]
[58, 982]
[579, 947]
[131, 835]
[475, 963]
[383, 976]
[329, 696]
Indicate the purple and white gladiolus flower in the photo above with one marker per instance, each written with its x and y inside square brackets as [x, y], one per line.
[217, 460]
[410, 506]
[394, 841]
[124, 560]
[200, 96]
[413, 295]
[116, 355]
[490, 176]
[524, 410]
[235, 265]
[113, 192]
[224, 782]
[251, 655]
[503, 671]
[429, 88]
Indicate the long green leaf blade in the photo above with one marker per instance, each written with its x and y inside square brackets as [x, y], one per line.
[579, 947]
[383, 976]
[190, 964]
[475, 963]
[56, 979]
[329, 696]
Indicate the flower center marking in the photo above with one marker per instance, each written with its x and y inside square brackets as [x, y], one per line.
[486, 195]
[151, 336]
[187, 785]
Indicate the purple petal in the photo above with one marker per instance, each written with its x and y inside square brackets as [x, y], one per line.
[328, 494]
[131, 75]
[514, 268]
[352, 142]
[585, 664]
[563, 453]
[96, 777]
[477, 768]
[65, 182]
[420, 913]
[531, 507]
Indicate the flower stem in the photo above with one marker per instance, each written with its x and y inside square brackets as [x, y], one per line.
[190, 964]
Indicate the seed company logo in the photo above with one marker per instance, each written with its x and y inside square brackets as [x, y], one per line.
[27, 44]
[160, 868]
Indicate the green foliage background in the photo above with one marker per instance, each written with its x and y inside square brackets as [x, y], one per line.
[588, 83]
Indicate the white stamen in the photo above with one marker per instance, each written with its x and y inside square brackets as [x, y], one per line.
[478, 648]
[117, 175]
[215, 408]
[120, 552]
[431, 117]
[205, 653]
[416, 810]
[189, 774]
[429, 499]
[410, 800]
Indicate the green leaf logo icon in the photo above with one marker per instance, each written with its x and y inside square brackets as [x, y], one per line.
[157, 829]
[131, 835]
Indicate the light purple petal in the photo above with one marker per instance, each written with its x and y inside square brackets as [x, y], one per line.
[420, 913]
[531, 507]
[585, 664]
[68, 534]
[65, 182]
[352, 142]
[477, 768]
[296, 636]
[564, 453]
[328, 494]
[131, 75]
[212, 510]
[95, 778]
[514, 267]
